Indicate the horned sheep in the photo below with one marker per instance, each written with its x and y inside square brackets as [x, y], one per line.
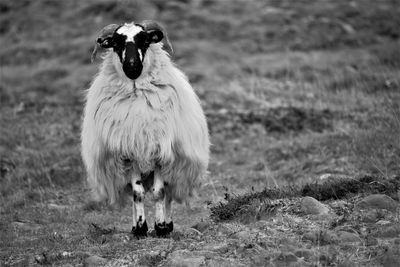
[143, 125]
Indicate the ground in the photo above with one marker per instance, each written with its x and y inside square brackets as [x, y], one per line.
[297, 93]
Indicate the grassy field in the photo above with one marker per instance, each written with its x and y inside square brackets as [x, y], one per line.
[293, 91]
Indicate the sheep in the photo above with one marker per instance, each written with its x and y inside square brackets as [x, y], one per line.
[143, 125]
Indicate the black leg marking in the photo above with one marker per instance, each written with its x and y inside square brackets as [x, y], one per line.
[163, 229]
[140, 231]
[136, 197]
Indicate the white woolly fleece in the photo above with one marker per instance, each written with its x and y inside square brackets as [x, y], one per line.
[155, 120]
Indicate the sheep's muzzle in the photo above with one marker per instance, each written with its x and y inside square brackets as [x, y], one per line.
[132, 62]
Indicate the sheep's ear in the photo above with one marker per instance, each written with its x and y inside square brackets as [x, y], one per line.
[155, 36]
[150, 26]
[107, 42]
[105, 38]
[101, 42]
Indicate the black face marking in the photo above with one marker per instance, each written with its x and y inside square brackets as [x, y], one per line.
[136, 197]
[132, 63]
[130, 43]
[131, 54]
[119, 44]
[141, 40]
[138, 182]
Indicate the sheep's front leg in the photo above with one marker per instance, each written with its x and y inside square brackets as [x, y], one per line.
[139, 228]
[163, 224]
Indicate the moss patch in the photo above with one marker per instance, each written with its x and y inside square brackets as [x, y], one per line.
[331, 189]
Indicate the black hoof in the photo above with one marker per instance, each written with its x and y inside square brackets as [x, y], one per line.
[163, 229]
[140, 231]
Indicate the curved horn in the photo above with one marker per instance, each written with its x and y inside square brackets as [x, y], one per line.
[101, 40]
[154, 25]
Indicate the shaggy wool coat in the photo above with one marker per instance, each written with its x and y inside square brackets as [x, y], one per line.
[155, 121]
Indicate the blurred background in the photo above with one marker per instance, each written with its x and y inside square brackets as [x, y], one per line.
[293, 90]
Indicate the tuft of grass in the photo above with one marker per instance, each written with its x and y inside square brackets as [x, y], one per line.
[390, 56]
[332, 189]
[373, 82]
[377, 145]
[278, 120]
[342, 188]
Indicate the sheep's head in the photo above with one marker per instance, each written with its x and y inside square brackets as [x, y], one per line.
[130, 42]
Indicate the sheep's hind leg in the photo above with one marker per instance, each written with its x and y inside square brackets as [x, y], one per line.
[163, 224]
[139, 228]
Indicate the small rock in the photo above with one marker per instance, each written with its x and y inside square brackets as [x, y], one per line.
[124, 262]
[201, 226]
[153, 253]
[347, 263]
[311, 236]
[258, 260]
[377, 201]
[226, 262]
[41, 259]
[244, 235]
[348, 28]
[184, 258]
[325, 176]
[321, 237]
[95, 261]
[388, 231]
[306, 254]
[224, 230]
[259, 166]
[58, 207]
[347, 237]
[326, 259]
[382, 222]
[310, 205]
[26, 226]
[369, 216]
[12, 261]
[66, 254]
[121, 237]
[338, 204]
[220, 247]
[241, 235]
[285, 259]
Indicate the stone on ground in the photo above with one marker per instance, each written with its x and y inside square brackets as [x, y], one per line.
[348, 237]
[310, 205]
[95, 261]
[377, 201]
[185, 258]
